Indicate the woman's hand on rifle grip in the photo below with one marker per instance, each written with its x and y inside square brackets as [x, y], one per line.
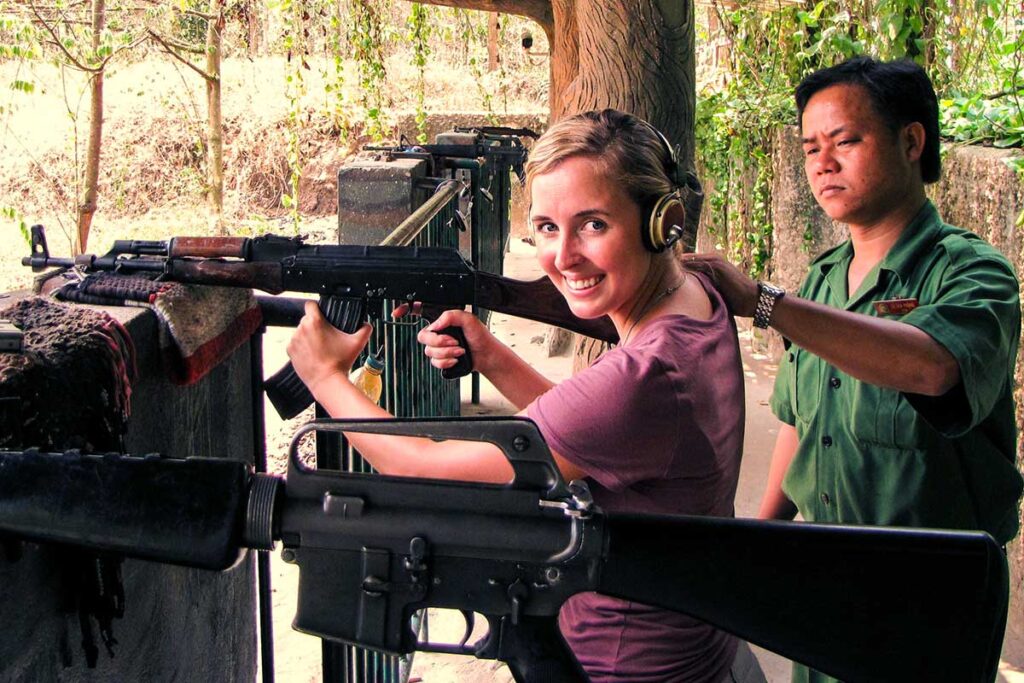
[445, 350]
[319, 350]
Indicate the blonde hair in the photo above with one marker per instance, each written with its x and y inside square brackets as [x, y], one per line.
[629, 148]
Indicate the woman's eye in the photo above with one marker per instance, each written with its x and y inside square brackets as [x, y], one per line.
[811, 151]
[546, 228]
[594, 225]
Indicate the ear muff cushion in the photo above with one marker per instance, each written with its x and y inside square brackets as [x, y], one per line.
[666, 223]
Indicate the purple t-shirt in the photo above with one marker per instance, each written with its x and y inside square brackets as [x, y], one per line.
[658, 426]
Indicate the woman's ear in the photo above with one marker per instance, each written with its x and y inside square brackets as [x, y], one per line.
[912, 141]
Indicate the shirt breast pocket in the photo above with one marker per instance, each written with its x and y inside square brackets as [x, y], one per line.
[806, 383]
[885, 417]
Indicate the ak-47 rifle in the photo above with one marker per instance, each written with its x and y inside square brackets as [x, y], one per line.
[345, 277]
[860, 603]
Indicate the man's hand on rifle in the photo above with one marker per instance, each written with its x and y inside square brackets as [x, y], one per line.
[318, 350]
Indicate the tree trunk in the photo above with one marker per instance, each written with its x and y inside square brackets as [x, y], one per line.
[492, 41]
[87, 205]
[254, 29]
[633, 55]
[214, 118]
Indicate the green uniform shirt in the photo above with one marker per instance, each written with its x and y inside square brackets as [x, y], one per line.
[868, 455]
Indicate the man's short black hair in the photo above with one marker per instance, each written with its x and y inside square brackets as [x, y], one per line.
[900, 93]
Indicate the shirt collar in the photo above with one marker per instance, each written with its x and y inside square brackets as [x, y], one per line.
[915, 238]
[835, 277]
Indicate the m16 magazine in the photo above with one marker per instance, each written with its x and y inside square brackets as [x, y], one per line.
[345, 277]
[372, 550]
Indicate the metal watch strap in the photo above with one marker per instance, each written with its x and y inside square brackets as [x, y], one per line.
[767, 295]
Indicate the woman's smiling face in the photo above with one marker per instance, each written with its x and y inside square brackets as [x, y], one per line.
[587, 232]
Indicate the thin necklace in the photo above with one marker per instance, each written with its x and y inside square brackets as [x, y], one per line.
[651, 304]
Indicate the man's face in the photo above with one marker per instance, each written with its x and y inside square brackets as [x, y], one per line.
[858, 169]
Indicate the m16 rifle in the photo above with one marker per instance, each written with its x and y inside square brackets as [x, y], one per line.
[345, 277]
[371, 550]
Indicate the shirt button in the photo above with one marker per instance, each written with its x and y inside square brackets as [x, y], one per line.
[825, 498]
[826, 441]
[835, 382]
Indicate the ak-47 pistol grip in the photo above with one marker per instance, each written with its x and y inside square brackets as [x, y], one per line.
[464, 364]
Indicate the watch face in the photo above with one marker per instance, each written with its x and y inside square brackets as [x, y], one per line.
[767, 296]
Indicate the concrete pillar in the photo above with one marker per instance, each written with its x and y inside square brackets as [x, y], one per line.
[375, 194]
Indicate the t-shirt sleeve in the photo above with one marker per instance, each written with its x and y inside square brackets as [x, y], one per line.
[617, 420]
[975, 315]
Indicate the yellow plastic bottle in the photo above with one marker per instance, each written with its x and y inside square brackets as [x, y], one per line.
[367, 378]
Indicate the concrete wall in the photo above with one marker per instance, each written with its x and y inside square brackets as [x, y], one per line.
[179, 624]
[978, 192]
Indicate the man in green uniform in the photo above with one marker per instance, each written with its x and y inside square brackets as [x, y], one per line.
[894, 391]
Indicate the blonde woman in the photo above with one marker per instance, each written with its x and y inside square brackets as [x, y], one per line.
[654, 426]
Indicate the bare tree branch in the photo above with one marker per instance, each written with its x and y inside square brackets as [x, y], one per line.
[178, 45]
[201, 15]
[169, 49]
[75, 62]
[141, 8]
[538, 10]
[60, 44]
[1005, 93]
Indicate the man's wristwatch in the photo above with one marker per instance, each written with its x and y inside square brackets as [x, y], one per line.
[767, 296]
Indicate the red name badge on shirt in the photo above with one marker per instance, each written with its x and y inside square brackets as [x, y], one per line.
[895, 306]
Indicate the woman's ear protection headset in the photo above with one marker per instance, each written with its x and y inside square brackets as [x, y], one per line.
[674, 215]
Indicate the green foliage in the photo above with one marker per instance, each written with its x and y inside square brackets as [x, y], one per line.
[972, 51]
[18, 36]
[977, 119]
[18, 44]
[11, 214]
[293, 14]
[368, 38]
[474, 33]
[334, 79]
[419, 28]
[191, 28]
